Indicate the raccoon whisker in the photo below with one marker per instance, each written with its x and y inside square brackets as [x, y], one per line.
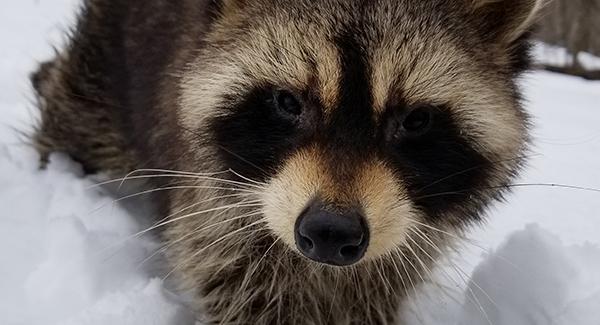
[555, 185]
[247, 278]
[199, 182]
[421, 234]
[160, 173]
[168, 188]
[249, 275]
[278, 263]
[275, 297]
[246, 237]
[243, 204]
[355, 282]
[410, 262]
[156, 226]
[427, 269]
[177, 172]
[254, 184]
[362, 283]
[402, 258]
[452, 264]
[161, 221]
[253, 236]
[220, 239]
[152, 170]
[243, 159]
[465, 240]
[517, 158]
[424, 266]
[229, 152]
[474, 296]
[455, 236]
[184, 176]
[197, 231]
[369, 274]
[274, 300]
[400, 275]
[466, 279]
[460, 272]
[227, 181]
[181, 187]
[128, 178]
[237, 195]
[384, 280]
[262, 184]
[428, 241]
[449, 193]
[387, 278]
[335, 290]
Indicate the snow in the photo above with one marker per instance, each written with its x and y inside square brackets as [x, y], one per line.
[559, 281]
[559, 56]
[536, 262]
[63, 265]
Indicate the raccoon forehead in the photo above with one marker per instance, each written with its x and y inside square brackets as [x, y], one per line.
[400, 64]
[294, 57]
[284, 56]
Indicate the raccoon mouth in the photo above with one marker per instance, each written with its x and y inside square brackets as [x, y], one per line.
[338, 239]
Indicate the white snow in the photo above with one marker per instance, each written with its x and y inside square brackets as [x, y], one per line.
[559, 56]
[536, 262]
[62, 264]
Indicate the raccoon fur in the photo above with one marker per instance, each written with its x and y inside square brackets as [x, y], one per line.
[314, 158]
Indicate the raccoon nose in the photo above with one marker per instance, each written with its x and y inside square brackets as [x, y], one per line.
[339, 239]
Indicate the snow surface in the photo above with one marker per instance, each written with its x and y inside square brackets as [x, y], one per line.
[536, 262]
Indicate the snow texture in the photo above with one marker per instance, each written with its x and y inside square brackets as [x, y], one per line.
[68, 256]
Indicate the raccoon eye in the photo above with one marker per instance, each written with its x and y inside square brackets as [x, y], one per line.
[418, 121]
[287, 104]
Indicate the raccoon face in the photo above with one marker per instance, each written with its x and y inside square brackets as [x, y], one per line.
[366, 119]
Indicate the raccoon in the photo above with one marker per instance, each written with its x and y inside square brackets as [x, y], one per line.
[314, 158]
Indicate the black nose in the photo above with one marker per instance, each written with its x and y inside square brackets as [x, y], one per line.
[332, 238]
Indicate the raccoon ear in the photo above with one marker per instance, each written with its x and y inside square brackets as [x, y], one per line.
[505, 21]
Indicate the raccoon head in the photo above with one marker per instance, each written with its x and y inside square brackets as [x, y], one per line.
[366, 120]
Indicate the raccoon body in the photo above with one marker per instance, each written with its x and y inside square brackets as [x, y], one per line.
[317, 157]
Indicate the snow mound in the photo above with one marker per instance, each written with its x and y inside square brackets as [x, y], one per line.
[535, 279]
[62, 238]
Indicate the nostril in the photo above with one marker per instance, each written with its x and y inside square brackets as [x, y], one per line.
[353, 251]
[350, 252]
[305, 243]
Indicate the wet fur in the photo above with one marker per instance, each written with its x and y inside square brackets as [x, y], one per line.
[141, 83]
